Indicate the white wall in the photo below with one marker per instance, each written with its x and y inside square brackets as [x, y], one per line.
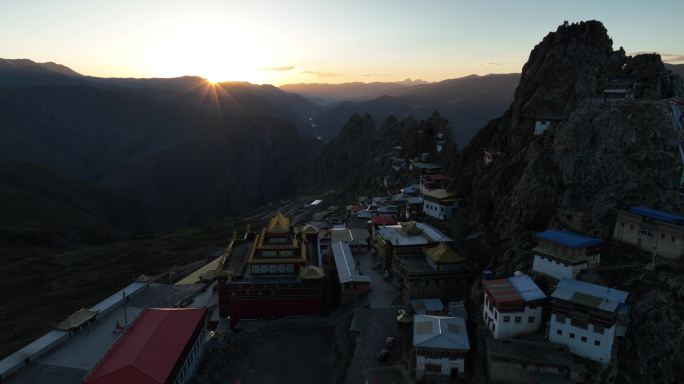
[544, 264]
[437, 210]
[588, 349]
[187, 371]
[540, 126]
[503, 329]
[445, 364]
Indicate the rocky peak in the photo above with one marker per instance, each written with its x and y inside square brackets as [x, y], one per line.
[535, 176]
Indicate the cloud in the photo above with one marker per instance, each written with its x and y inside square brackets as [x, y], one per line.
[496, 61]
[667, 57]
[284, 68]
[375, 75]
[320, 73]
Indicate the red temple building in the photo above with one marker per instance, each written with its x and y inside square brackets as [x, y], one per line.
[279, 277]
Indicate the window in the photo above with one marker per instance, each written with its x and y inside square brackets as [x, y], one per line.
[559, 332]
[584, 339]
[646, 231]
[622, 225]
[662, 235]
[507, 319]
[560, 319]
[673, 238]
[533, 306]
[530, 319]
[572, 335]
[518, 319]
[597, 343]
[598, 329]
[631, 226]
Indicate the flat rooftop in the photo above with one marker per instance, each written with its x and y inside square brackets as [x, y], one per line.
[412, 233]
[590, 295]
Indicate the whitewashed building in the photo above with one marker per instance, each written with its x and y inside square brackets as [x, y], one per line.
[587, 317]
[562, 254]
[439, 203]
[651, 230]
[540, 126]
[441, 344]
[512, 306]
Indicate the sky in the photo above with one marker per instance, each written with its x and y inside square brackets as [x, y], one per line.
[290, 41]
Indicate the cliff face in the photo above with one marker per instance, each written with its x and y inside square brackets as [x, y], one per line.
[362, 152]
[596, 157]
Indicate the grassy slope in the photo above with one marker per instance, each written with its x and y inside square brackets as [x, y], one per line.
[42, 286]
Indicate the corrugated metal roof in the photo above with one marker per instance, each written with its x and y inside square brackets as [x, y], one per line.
[421, 234]
[527, 289]
[458, 309]
[569, 239]
[422, 306]
[658, 215]
[514, 288]
[345, 264]
[440, 194]
[76, 320]
[591, 295]
[341, 234]
[150, 349]
[502, 290]
[440, 332]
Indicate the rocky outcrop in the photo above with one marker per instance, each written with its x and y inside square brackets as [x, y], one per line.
[597, 157]
[362, 153]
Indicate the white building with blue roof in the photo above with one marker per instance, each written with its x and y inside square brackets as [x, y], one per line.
[441, 344]
[563, 254]
[587, 317]
[651, 230]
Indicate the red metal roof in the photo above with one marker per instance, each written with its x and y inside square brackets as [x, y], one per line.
[383, 220]
[148, 352]
[502, 291]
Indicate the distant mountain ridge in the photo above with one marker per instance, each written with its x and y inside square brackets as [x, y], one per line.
[324, 93]
[467, 102]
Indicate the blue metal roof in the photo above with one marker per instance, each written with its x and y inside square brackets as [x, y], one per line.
[569, 239]
[527, 289]
[658, 215]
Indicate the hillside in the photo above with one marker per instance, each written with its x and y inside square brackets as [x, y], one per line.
[39, 207]
[600, 157]
[676, 68]
[468, 103]
[27, 72]
[243, 163]
[229, 99]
